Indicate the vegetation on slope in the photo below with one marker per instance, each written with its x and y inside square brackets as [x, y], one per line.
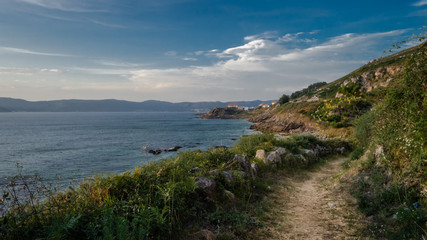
[391, 184]
[156, 201]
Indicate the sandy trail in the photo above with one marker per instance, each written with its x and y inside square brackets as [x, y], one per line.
[311, 205]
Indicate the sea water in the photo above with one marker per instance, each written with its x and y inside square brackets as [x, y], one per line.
[69, 146]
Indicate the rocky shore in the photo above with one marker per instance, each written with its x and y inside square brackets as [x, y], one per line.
[223, 113]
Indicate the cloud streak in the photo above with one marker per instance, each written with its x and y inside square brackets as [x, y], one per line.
[62, 5]
[265, 66]
[30, 52]
[420, 3]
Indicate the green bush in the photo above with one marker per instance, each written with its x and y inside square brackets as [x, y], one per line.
[251, 143]
[390, 187]
[155, 201]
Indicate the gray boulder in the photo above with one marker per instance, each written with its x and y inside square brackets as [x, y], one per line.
[255, 168]
[205, 187]
[281, 151]
[226, 174]
[245, 164]
[260, 154]
[340, 150]
[301, 158]
[307, 151]
[204, 234]
[273, 158]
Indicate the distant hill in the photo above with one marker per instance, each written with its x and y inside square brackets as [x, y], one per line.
[112, 105]
[4, 110]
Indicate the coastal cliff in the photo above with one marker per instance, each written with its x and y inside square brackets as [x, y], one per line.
[224, 113]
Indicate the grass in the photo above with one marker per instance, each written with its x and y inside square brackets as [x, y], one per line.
[391, 145]
[155, 201]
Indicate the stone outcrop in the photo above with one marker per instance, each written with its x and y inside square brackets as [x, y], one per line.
[226, 174]
[245, 164]
[273, 158]
[204, 234]
[380, 77]
[283, 123]
[205, 187]
[260, 154]
[221, 113]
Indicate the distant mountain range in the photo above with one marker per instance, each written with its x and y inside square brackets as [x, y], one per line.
[112, 105]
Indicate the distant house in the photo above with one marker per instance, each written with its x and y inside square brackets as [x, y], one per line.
[233, 106]
[273, 103]
[263, 105]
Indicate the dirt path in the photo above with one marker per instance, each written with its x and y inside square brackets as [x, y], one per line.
[312, 206]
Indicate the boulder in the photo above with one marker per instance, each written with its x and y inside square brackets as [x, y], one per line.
[255, 168]
[273, 158]
[204, 235]
[205, 187]
[173, 149]
[240, 173]
[281, 151]
[301, 159]
[226, 174]
[379, 152]
[229, 195]
[311, 154]
[245, 164]
[195, 170]
[340, 150]
[307, 151]
[155, 152]
[260, 154]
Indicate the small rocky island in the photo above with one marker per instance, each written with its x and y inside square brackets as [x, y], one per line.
[223, 113]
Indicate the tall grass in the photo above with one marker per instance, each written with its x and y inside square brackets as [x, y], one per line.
[393, 179]
[155, 201]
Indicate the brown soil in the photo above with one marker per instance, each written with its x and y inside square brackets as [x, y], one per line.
[312, 205]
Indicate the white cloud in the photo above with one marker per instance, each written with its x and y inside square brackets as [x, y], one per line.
[111, 25]
[171, 53]
[189, 59]
[26, 51]
[28, 71]
[263, 67]
[420, 3]
[53, 70]
[264, 35]
[63, 5]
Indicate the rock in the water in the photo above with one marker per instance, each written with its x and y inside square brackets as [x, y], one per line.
[173, 149]
[245, 164]
[205, 186]
[273, 158]
[260, 154]
[223, 147]
[155, 152]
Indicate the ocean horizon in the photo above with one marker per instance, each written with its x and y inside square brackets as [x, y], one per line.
[66, 146]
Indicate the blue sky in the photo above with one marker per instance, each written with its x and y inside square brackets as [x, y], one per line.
[191, 50]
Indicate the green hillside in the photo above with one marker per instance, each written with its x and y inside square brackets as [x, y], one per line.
[381, 108]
